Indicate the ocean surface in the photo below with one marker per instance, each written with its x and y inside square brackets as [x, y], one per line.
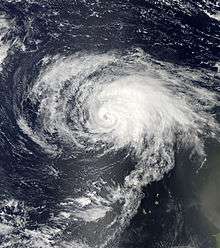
[109, 124]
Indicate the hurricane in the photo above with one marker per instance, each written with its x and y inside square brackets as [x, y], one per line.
[85, 132]
[98, 105]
